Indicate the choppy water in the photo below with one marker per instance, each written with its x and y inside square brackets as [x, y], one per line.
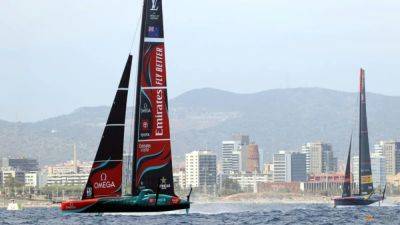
[220, 214]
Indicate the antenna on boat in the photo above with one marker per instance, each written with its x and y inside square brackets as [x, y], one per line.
[158, 190]
[190, 193]
[384, 192]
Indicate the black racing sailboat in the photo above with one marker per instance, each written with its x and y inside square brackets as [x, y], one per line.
[366, 193]
[152, 178]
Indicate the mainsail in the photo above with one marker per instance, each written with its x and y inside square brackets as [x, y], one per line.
[105, 178]
[365, 172]
[152, 163]
[347, 176]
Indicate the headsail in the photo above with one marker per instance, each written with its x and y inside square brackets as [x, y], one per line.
[105, 178]
[365, 172]
[152, 164]
[347, 176]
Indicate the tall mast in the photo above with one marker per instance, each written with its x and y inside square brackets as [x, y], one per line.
[152, 158]
[365, 172]
[137, 101]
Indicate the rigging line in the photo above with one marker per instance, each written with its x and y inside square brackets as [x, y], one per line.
[131, 133]
[139, 19]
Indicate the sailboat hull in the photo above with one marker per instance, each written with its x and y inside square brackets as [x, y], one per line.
[356, 200]
[125, 204]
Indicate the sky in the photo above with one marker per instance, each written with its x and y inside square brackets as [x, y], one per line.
[56, 56]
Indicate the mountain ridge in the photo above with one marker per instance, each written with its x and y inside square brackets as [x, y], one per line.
[201, 118]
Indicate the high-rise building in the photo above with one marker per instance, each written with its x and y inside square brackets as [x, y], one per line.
[201, 169]
[289, 167]
[228, 163]
[298, 167]
[253, 159]
[378, 166]
[180, 177]
[319, 158]
[355, 169]
[391, 152]
[305, 149]
[234, 154]
[243, 140]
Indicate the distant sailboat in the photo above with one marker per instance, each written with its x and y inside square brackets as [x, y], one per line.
[366, 193]
[152, 179]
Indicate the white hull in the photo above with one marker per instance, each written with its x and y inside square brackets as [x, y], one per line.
[13, 207]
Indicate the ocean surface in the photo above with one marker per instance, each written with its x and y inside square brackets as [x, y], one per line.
[214, 214]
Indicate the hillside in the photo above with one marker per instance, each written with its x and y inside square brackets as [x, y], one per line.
[275, 119]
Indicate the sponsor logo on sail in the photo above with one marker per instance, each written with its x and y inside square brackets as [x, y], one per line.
[164, 185]
[144, 147]
[160, 113]
[154, 6]
[145, 108]
[104, 183]
[153, 32]
[366, 179]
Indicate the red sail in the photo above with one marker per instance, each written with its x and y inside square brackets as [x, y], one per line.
[152, 147]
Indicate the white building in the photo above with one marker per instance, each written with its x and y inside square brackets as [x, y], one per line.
[378, 166]
[69, 179]
[180, 178]
[228, 147]
[248, 181]
[32, 179]
[70, 173]
[11, 176]
[355, 170]
[289, 167]
[391, 151]
[201, 169]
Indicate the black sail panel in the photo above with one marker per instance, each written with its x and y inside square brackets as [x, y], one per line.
[152, 161]
[365, 172]
[105, 178]
[347, 176]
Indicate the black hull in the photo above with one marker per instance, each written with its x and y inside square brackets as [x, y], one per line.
[354, 201]
[100, 208]
[124, 205]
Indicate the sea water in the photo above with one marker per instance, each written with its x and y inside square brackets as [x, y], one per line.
[215, 213]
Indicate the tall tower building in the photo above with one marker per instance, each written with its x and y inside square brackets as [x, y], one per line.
[391, 152]
[319, 158]
[201, 169]
[234, 154]
[253, 158]
[289, 167]
[228, 148]
[378, 166]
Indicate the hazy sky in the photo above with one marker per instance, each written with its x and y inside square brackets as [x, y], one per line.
[56, 56]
